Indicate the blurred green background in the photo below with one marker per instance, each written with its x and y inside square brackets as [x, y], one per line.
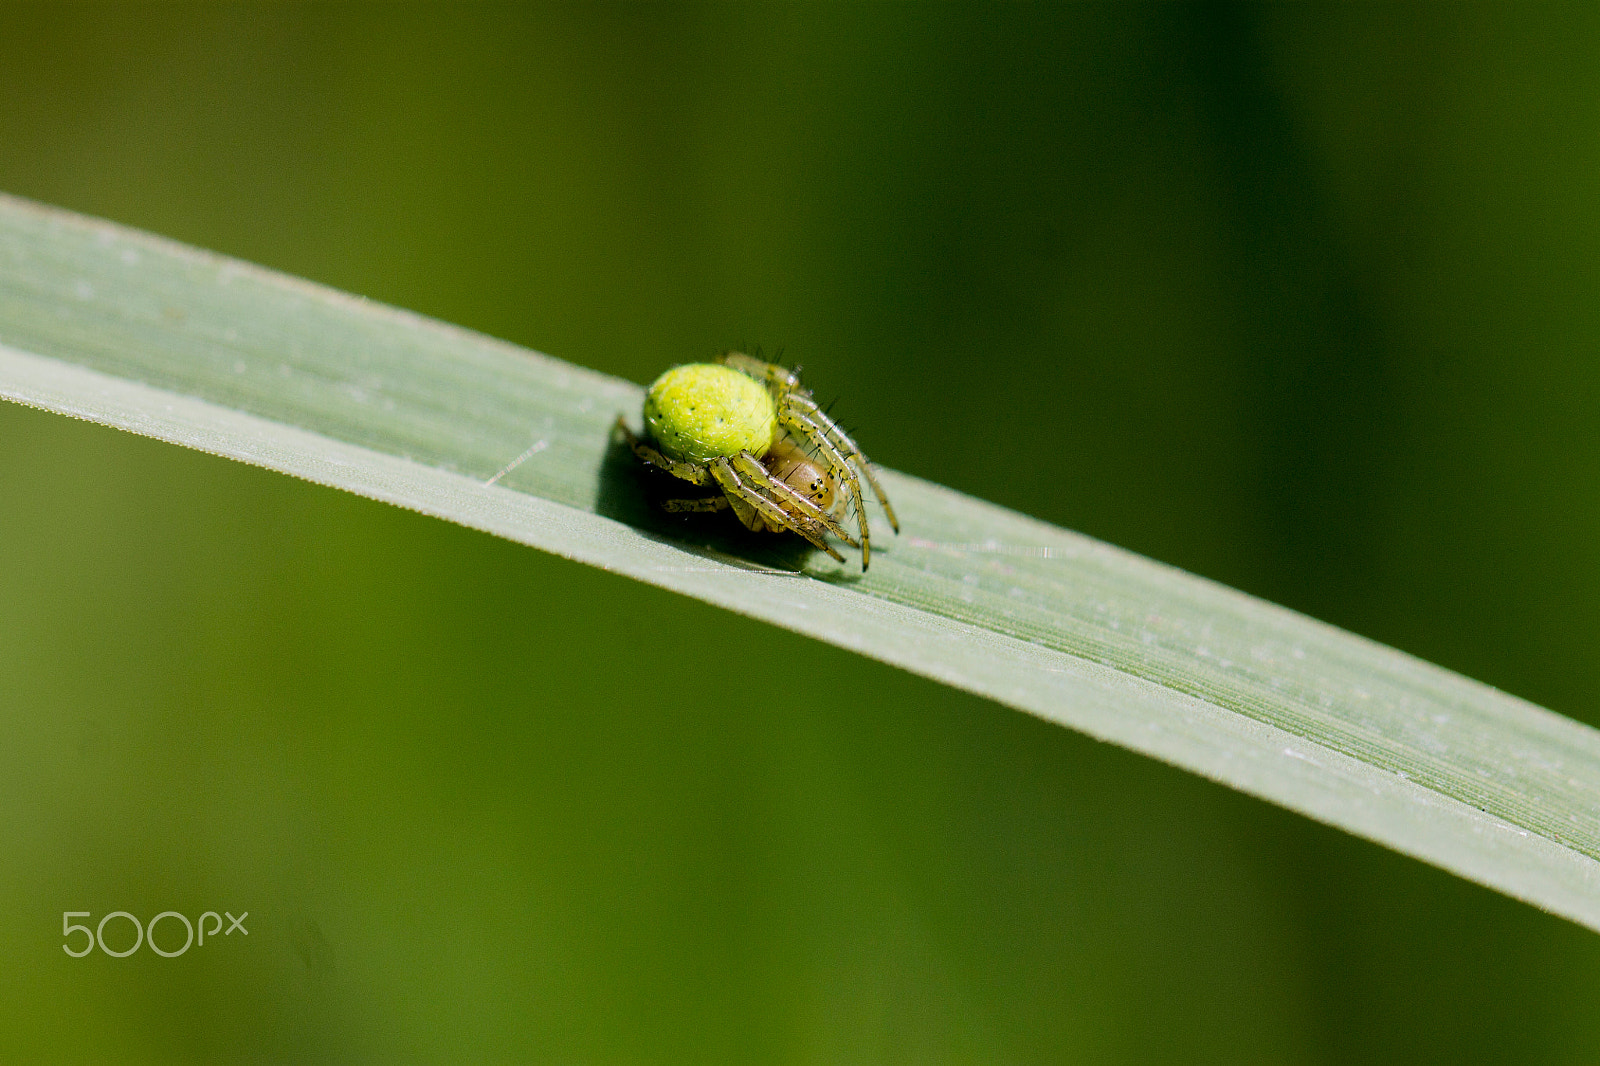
[1301, 298]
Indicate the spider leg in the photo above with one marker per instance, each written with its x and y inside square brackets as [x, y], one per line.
[838, 465]
[807, 409]
[745, 513]
[750, 467]
[704, 503]
[784, 384]
[741, 490]
[777, 378]
[690, 472]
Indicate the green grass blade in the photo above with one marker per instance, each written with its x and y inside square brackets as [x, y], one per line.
[131, 331]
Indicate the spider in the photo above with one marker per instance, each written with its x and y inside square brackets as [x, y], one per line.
[747, 427]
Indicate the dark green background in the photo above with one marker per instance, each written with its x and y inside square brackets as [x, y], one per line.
[1299, 298]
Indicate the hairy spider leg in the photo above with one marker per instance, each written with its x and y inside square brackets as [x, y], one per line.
[799, 412]
[776, 377]
[748, 503]
[690, 472]
[749, 467]
[704, 503]
[768, 488]
[803, 401]
[838, 466]
[741, 493]
[785, 387]
[745, 513]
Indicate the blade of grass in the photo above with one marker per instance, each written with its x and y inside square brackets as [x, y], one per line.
[128, 330]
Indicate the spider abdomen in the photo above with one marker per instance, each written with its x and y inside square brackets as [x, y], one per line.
[702, 411]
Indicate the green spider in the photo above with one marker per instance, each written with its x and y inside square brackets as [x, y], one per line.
[747, 427]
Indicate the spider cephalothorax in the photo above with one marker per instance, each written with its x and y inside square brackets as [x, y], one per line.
[747, 427]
